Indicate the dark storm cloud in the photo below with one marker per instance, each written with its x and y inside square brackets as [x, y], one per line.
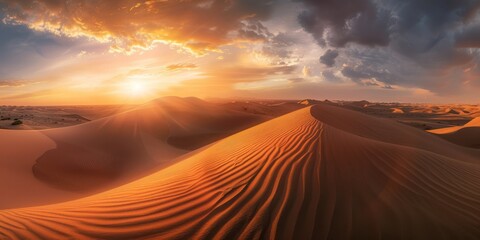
[469, 38]
[329, 57]
[388, 67]
[330, 76]
[436, 35]
[338, 22]
[374, 23]
[425, 31]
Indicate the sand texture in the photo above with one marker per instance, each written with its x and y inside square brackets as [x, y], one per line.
[321, 172]
[467, 135]
[54, 165]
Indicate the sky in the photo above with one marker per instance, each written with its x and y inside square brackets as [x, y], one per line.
[61, 52]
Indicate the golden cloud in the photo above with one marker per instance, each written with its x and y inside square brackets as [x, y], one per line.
[15, 83]
[247, 74]
[226, 78]
[180, 66]
[128, 25]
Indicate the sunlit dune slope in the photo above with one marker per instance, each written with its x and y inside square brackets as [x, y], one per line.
[58, 164]
[467, 135]
[321, 172]
[397, 110]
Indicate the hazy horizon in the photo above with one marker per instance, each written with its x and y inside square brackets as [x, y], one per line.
[230, 99]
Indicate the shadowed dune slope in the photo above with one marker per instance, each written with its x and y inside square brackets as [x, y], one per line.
[300, 176]
[467, 135]
[393, 132]
[133, 142]
[43, 167]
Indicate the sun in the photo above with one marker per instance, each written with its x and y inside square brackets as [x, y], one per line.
[137, 88]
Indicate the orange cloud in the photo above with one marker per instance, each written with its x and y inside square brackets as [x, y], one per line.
[180, 66]
[226, 78]
[197, 25]
[248, 74]
[14, 83]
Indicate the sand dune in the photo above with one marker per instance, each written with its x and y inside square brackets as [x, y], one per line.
[360, 104]
[451, 111]
[473, 123]
[467, 135]
[397, 110]
[309, 102]
[320, 172]
[79, 160]
[46, 117]
[263, 108]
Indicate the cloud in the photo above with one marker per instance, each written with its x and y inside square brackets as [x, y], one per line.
[24, 51]
[431, 41]
[369, 77]
[128, 25]
[227, 78]
[338, 22]
[306, 71]
[247, 74]
[253, 30]
[13, 83]
[32, 94]
[180, 66]
[296, 80]
[279, 48]
[330, 76]
[374, 44]
[469, 37]
[329, 58]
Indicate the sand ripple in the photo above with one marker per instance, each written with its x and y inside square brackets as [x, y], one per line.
[294, 177]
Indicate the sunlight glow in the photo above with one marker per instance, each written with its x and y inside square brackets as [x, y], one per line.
[137, 88]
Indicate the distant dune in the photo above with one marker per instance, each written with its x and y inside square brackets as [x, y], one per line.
[397, 110]
[267, 109]
[309, 102]
[319, 172]
[451, 111]
[467, 135]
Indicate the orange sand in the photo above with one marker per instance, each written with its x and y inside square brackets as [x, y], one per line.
[81, 160]
[320, 172]
[467, 135]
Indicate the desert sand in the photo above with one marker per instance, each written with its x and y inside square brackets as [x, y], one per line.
[84, 159]
[320, 172]
[422, 116]
[467, 135]
[46, 117]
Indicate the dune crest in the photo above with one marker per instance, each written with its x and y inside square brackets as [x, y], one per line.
[302, 175]
[397, 110]
[467, 135]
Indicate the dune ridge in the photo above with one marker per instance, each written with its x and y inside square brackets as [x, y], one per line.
[467, 135]
[321, 172]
